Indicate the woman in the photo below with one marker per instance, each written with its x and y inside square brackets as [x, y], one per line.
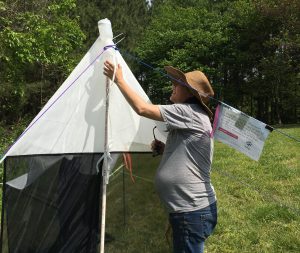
[183, 176]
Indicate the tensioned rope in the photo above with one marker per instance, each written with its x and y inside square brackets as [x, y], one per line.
[142, 178]
[203, 94]
[264, 194]
[287, 135]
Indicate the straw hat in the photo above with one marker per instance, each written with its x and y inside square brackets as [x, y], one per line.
[198, 84]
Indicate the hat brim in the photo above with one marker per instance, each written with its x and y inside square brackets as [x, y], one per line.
[179, 77]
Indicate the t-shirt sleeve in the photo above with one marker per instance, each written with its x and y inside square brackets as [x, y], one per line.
[176, 116]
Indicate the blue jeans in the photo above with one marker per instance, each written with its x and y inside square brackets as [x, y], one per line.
[190, 229]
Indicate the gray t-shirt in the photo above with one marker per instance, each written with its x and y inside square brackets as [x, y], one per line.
[183, 176]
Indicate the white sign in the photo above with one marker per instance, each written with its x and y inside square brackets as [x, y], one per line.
[240, 131]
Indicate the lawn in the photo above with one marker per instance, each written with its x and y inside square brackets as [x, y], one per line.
[259, 202]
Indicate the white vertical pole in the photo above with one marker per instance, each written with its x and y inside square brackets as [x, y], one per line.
[103, 216]
[104, 170]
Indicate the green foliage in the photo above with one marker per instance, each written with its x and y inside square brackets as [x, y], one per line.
[39, 49]
[264, 72]
[186, 37]
[127, 17]
[248, 49]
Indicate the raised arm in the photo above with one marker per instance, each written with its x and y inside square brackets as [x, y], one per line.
[140, 106]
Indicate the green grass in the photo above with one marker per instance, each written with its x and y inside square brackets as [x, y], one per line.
[259, 202]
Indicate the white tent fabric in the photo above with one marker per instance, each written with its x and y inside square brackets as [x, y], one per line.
[73, 119]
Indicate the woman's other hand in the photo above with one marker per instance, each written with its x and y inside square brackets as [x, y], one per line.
[157, 147]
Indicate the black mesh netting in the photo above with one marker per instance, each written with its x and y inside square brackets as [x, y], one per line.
[51, 204]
